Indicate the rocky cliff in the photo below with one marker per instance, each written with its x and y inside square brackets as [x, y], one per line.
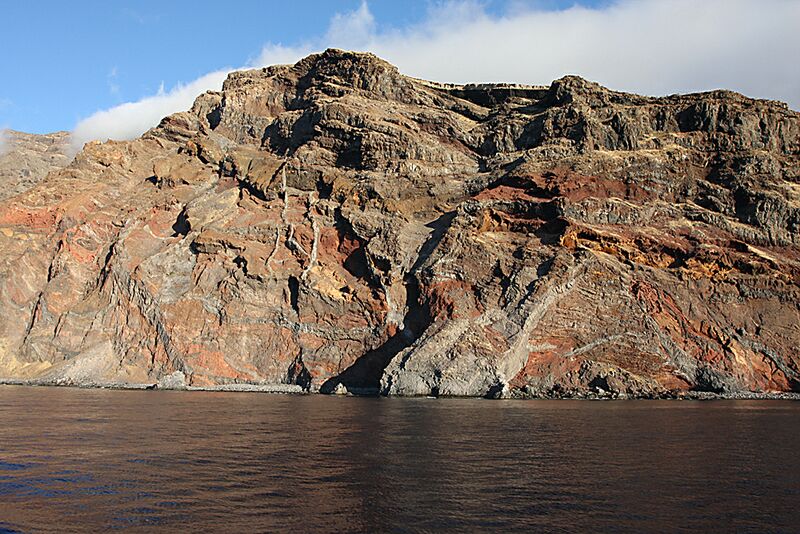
[339, 226]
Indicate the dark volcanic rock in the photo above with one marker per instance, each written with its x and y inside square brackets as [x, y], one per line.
[341, 227]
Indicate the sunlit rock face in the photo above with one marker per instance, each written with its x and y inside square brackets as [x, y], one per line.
[336, 225]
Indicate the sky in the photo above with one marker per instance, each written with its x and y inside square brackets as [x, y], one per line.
[107, 69]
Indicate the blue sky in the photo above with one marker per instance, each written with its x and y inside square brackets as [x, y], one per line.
[63, 62]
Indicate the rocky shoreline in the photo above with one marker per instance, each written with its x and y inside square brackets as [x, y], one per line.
[285, 389]
[292, 389]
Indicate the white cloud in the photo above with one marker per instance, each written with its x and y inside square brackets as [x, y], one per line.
[3, 141]
[647, 46]
[132, 119]
[347, 27]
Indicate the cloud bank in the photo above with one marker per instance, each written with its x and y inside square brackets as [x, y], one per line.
[652, 47]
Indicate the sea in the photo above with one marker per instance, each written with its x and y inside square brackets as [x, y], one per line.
[77, 460]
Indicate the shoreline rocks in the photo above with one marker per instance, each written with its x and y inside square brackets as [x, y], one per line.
[288, 389]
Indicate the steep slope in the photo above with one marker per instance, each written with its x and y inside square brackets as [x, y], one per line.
[337, 225]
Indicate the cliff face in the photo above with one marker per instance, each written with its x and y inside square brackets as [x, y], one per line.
[337, 224]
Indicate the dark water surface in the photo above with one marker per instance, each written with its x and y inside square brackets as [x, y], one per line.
[96, 460]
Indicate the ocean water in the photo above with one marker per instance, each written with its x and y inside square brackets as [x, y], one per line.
[88, 460]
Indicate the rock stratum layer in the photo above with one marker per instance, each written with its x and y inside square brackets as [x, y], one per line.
[337, 226]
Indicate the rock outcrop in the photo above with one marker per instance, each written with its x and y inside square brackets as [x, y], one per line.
[339, 226]
[27, 158]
